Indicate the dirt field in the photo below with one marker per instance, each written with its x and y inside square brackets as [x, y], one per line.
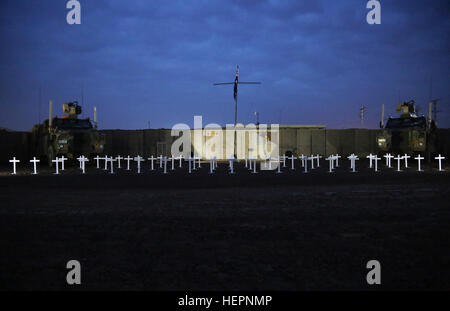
[266, 231]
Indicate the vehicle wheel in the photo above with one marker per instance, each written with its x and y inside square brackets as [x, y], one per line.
[50, 156]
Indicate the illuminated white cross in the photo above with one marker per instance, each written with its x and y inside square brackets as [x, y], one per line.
[330, 163]
[190, 163]
[312, 158]
[118, 158]
[388, 157]
[231, 161]
[199, 161]
[406, 157]
[292, 158]
[250, 164]
[165, 165]
[151, 159]
[112, 160]
[318, 157]
[106, 162]
[284, 160]
[160, 161]
[337, 157]
[305, 163]
[254, 165]
[173, 162]
[211, 165]
[97, 158]
[246, 161]
[303, 160]
[180, 158]
[440, 158]
[62, 162]
[14, 161]
[353, 158]
[193, 162]
[419, 158]
[279, 166]
[83, 161]
[139, 159]
[376, 159]
[370, 157]
[398, 158]
[34, 161]
[57, 160]
[128, 159]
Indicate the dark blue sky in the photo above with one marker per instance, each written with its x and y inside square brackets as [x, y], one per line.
[147, 60]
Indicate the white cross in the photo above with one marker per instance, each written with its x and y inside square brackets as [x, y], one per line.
[376, 158]
[284, 160]
[337, 157]
[279, 166]
[211, 165]
[97, 158]
[82, 161]
[406, 157]
[106, 162]
[193, 162]
[62, 162]
[139, 159]
[292, 158]
[190, 163]
[254, 165]
[419, 158]
[353, 158]
[370, 157]
[14, 161]
[246, 162]
[388, 159]
[199, 161]
[118, 158]
[34, 161]
[180, 158]
[440, 158]
[215, 162]
[151, 159]
[312, 158]
[398, 158]
[165, 165]
[318, 157]
[173, 162]
[303, 160]
[57, 165]
[160, 161]
[231, 161]
[330, 163]
[250, 164]
[112, 160]
[305, 163]
[128, 159]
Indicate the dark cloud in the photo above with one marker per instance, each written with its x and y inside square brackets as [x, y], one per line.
[146, 60]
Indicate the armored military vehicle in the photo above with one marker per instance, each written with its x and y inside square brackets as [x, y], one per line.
[408, 133]
[68, 135]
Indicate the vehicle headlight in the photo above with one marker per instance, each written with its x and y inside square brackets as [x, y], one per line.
[381, 140]
[62, 141]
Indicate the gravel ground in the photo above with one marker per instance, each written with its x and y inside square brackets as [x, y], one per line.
[266, 231]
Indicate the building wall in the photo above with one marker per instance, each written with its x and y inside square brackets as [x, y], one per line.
[152, 142]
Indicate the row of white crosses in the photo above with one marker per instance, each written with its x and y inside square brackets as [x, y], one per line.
[333, 162]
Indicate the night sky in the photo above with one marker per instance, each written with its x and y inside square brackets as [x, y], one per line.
[147, 61]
